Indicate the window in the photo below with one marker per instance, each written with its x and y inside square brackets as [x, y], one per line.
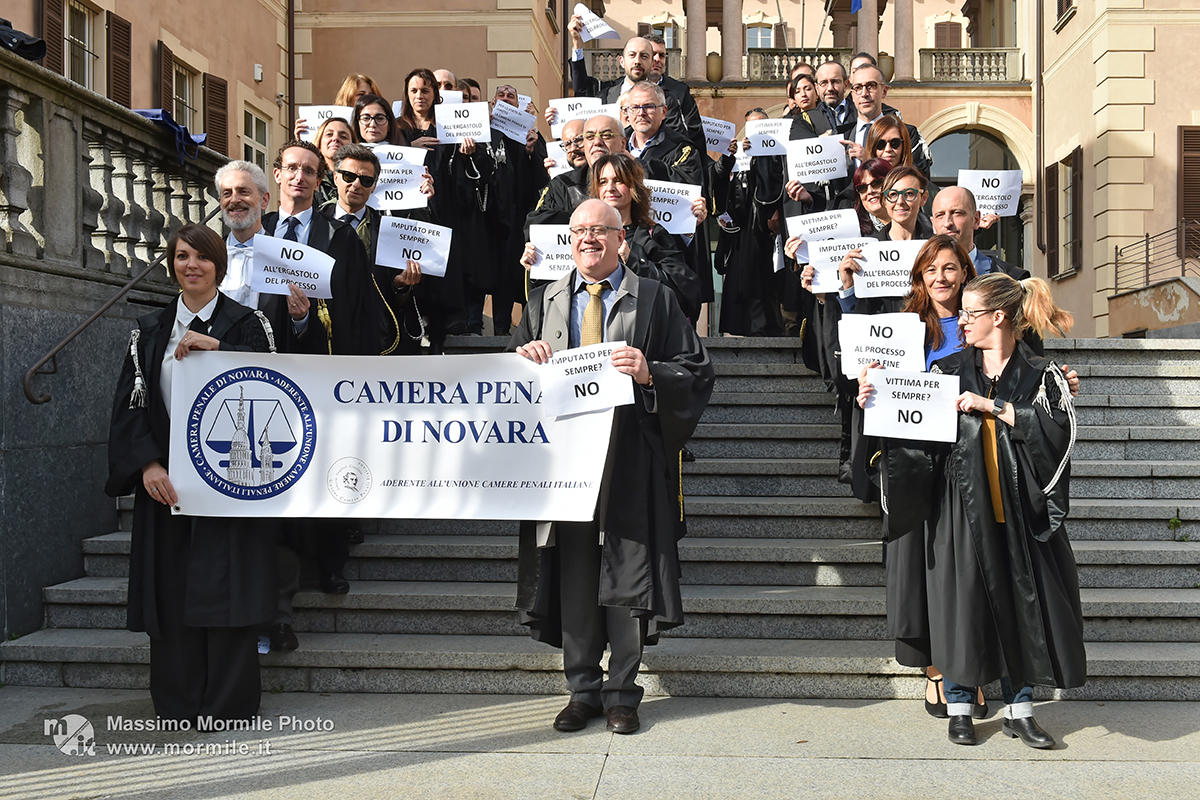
[668, 32]
[760, 36]
[185, 96]
[254, 139]
[79, 49]
[1064, 215]
[947, 35]
[1189, 191]
[1066, 10]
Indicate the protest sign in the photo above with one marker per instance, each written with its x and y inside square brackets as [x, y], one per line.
[813, 160]
[896, 341]
[402, 240]
[886, 268]
[824, 258]
[997, 191]
[556, 152]
[278, 262]
[911, 405]
[718, 133]
[671, 205]
[768, 137]
[401, 170]
[570, 108]
[584, 379]
[554, 259]
[594, 27]
[464, 121]
[512, 122]
[315, 115]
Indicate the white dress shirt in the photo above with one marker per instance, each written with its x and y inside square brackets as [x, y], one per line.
[183, 318]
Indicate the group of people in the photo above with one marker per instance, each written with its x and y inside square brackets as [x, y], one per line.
[980, 578]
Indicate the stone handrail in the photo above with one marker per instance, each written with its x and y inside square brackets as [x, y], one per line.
[603, 64]
[973, 65]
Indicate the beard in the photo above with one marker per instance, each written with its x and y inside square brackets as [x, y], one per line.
[250, 220]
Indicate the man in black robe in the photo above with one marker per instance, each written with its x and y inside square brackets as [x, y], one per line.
[614, 580]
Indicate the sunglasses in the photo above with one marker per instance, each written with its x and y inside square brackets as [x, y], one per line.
[349, 177]
[895, 143]
[876, 184]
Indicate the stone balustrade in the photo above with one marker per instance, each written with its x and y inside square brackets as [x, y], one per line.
[775, 65]
[604, 65]
[974, 65]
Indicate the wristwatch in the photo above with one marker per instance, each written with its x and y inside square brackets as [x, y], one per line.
[998, 408]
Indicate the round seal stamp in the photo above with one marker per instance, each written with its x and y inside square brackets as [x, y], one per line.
[251, 433]
[349, 480]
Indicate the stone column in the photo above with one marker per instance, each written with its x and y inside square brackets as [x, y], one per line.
[868, 27]
[697, 25]
[731, 41]
[904, 40]
[839, 26]
[1026, 215]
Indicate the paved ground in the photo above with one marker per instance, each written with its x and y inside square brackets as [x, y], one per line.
[477, 746]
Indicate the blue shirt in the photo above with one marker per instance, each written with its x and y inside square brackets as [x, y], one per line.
[302, 230]
[950, 345]
[580, 298]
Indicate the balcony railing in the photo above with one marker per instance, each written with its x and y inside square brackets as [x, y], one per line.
[1173, 253]
[775, 65]
[604, 64]
[974, 65]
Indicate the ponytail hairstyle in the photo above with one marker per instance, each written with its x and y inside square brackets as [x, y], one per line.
[1028, 304]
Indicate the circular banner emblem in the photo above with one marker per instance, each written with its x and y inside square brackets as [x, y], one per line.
[349, 480]
[251, 433]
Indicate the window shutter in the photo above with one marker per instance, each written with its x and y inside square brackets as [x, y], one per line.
[216, 113]
[1051, 216]
[120, 54]
[166, 78]
[643, 29]
[1077, 209]
[53, 30]
[947, 35]
[1189, 188]
[779, 35]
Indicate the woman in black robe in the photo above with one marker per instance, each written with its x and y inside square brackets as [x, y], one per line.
[1002, 585]
[199, 586]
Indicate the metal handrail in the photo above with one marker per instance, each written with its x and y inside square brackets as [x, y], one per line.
[36, 369]
[1164, 255]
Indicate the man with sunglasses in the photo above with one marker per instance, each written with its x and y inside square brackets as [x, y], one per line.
[868, 88]
[572, 142]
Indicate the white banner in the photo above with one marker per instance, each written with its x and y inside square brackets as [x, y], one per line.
[278, 262]
[671, 205]
[401, 170]
[822, 226]
[313, 116]
[570, 108]
[593, 27]
[824, 258]
[419, 437]
[464, 121]
[718, 133]
[768, 137]
[402, 240]
[812, 160]
[583, 379]
[997, 191]
[911, 405]
[896, 341]
[886, 268]
[558, 154]
[512, 122]
[554, 259]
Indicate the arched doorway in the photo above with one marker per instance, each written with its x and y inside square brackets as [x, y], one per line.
[975, 149]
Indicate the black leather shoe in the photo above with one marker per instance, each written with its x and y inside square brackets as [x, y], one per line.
[962, 729]
[687, 455]
[623, 719]
[980, 710]
[1029, 732]
[936, 710]
[355, 536]
[575, 716]
[333, 583]
[283, 638]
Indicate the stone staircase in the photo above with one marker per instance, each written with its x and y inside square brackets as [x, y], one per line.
[783, 587]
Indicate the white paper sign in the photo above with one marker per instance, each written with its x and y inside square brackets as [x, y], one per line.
[429, 437]
[768, 137]
[315, 115]
[401, 170]
[584, 379]
[896, 341]
[911, 405]
[450, 96]
[512, 122]
[464, 121]
[887, 268]
[824, 258]
[402, 240]
[718, 133]
[611, 110]
[996, 191]
[779, 255]
[523, 101]
[813, 160]
[278, 262]
[822, 226]
[569, 108]
[397, 108]
[558, 154]
[741, 162]
[671, 205]
[593, 27]
[554, 258]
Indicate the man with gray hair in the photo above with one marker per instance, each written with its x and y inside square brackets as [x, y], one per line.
[243, 193]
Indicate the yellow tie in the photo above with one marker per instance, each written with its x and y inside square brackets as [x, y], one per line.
[807, 119]
[593, 315]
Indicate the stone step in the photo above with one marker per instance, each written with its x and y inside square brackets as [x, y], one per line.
[341, 662]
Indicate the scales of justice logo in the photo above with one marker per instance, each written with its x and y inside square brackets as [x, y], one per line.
[251, 433]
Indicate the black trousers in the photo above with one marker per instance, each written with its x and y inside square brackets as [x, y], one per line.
[197, 672]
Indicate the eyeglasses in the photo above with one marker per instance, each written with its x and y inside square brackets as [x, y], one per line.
[446, 85]
[573, 144]
[376, 119]
[830, 82]
[870, 87]
[349, 177]
[292, 169]
[595, 231]
[968, 315]
[606, 135]
[895, 143]
[647, 109]
[894, 195]
[876, 184]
